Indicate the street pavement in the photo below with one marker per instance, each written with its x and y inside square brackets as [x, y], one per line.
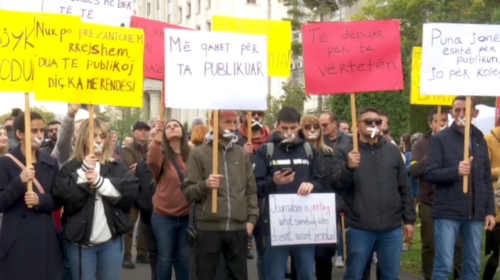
[143, 272]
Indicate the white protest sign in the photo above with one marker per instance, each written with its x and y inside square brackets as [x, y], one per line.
[34, 6]
[215, 70]
[299, 219]
[106, 12]
[460, 59]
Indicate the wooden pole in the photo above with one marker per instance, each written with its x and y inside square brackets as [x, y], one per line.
[27, 138]
[215, 157]
[344, 242]
[249, 127]
[438, 124]
[159, 134]
[466, 140]
[91, 129]
[354, 122]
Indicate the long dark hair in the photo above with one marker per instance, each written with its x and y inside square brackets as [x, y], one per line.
[167, 151]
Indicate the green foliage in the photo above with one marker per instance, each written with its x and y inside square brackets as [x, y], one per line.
[412, 15]
[123, 122]
[292, 96]
[186, 126]
[46, 114]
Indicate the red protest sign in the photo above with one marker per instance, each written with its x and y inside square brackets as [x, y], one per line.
[352, 57]
[154, 53]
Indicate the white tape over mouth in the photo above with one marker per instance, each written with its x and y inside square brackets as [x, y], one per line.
[228, 134]
[312, 135]
[374, 131]
[442, 127]
[461, 121]
[288, 138]
[97, 147]
[36, 141]
[256, 123]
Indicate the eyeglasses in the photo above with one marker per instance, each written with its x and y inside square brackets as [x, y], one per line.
[371, 121]
[260, 114]
[52, 130]
[309, 126]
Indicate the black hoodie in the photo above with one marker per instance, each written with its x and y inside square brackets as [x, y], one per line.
[376, 194]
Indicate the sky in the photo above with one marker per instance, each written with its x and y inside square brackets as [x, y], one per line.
[9, 100]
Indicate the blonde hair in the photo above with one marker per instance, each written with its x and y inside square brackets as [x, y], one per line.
[82, 139]
[320, 144]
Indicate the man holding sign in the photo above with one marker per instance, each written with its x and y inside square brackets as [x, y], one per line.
[454, 211]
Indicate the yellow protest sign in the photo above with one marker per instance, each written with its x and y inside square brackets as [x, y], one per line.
[420, 99]
[17, 49]
[279, 39]
[88, 63]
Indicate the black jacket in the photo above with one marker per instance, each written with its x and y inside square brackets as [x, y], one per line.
[445, 152]
[147, 189]
[340, 140]
[376, 195]
[78, 201]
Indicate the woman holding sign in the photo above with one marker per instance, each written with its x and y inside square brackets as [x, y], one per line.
[29, 243]
[97, 192]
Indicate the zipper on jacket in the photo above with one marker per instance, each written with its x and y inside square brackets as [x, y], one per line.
[227, 190]
[469, 185]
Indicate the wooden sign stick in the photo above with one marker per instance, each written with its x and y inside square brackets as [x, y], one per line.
[354, 122]
[249, 127]
[438, 125]
[466, 140]
[27, 138]
[91, 129]
[215, 157]
[159, 134]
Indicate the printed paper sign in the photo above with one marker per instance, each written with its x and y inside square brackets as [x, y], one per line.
[299, 219]
[279, 38]
[107, 12]
[154, 45]
[88, 63]
[415, 97]
[17, 49]
[352, 57]
[460, 59]
[215, 70]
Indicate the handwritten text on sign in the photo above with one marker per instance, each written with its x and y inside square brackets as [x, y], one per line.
[153, 45]
[419, 99]
[279, 38]
[350, 57]
[107, 12]
[302, 219]
[215, 70]
[88, 63]
[460, 59]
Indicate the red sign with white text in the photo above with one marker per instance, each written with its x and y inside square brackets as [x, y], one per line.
[154, 53]
[352, 57]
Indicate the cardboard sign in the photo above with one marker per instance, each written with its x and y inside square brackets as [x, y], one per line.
[215, 70]
[352, 57]
[460, 59]
[279, 38]
[153, 45]
[299, 219]
[88, 63]
[415, 97]
[107, 12]
[17, 49]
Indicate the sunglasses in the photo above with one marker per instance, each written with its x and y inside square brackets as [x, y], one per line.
[260, 114]
[309, 126]
[371, 121]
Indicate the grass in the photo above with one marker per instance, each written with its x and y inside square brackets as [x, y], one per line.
[411, 261]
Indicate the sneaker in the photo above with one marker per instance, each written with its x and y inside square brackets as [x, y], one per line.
[339, 262]
[249, 255]
[144, 259]
[249, 245]
[406, 247]
[127, 263]
[374, 259]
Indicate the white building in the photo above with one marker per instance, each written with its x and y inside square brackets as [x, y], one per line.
[197, 14]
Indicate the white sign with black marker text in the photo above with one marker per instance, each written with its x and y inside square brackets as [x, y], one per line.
[215, 70]
[299, 220]
[460, 59]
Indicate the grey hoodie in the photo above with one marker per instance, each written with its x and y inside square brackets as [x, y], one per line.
[64, 146]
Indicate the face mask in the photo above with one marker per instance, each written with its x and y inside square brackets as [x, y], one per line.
[312, 135]
[36, 142]
[97, 147]
[374, 131]
[461, 121]
[228, 134]
[288, 138]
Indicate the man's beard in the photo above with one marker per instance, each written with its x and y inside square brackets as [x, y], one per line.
[256, 125]
[53, 138]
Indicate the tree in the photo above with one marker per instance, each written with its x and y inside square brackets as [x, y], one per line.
[121, 119]
[293, 96]
[46, 114]
[412, 15]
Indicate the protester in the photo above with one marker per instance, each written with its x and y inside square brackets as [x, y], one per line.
[96, 192]
[9, 126]
[147, 188]
[198, 135]
[227, 230]
[286, 147]
[311, 131]
[4, 141]
[117, 147]
[384, 128]
[66, 135]
[344, 126]
[333, 137]
[170, 217]
[374, 186]
[452, 210]
[28, 239]
[196, 122]
[131, 155]
[52, 129]
[127, 141]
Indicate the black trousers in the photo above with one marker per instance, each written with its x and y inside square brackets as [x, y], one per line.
[152, 248]
[233, 247]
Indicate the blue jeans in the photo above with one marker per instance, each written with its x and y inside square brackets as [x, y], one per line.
[101, 262]
[66, 269]
[261, 249]
[172, 251]
[445, 234]
[360, 247]
[276, 258]
[340, 244]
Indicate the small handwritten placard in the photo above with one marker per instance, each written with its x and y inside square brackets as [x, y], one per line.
[460, 59]
[298, 219]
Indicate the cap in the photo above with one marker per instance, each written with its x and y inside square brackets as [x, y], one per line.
[138, 125]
